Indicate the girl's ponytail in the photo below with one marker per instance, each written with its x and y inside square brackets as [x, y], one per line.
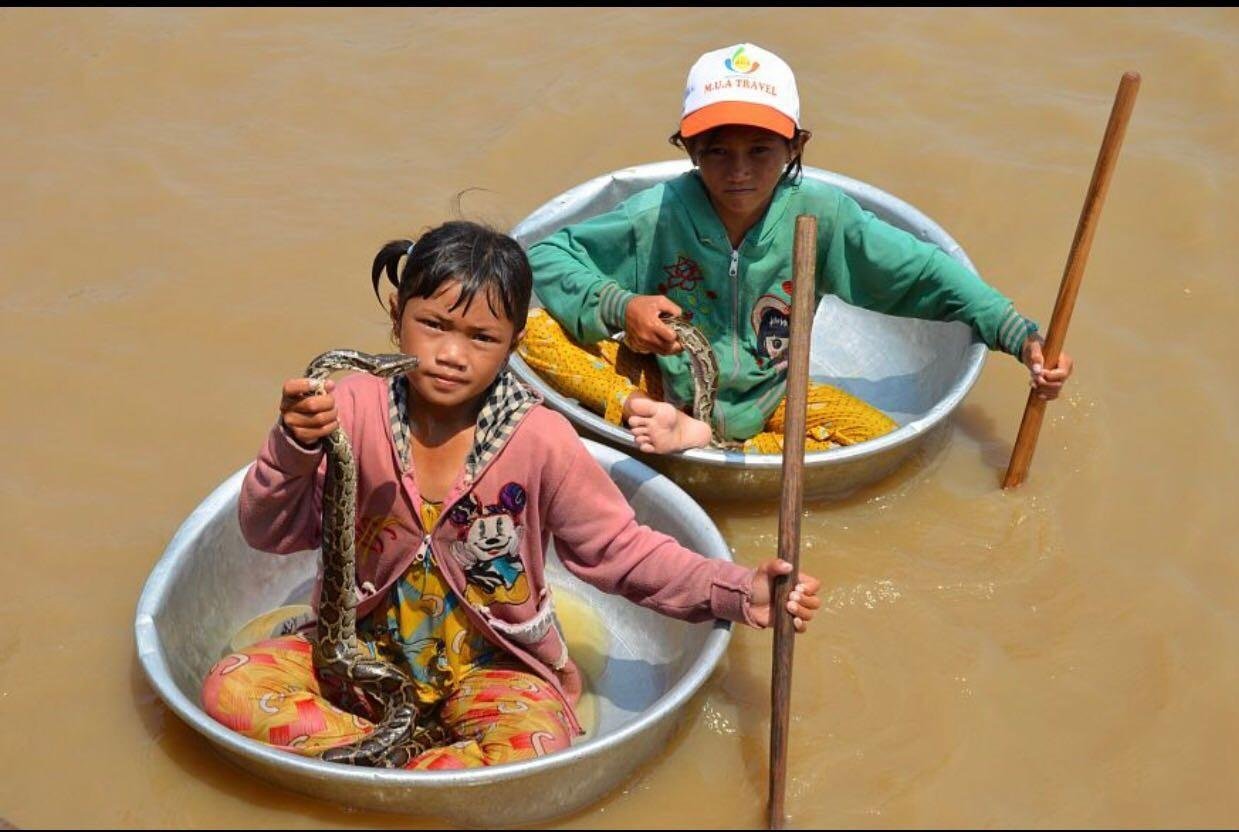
[477, 257]
[388, 260]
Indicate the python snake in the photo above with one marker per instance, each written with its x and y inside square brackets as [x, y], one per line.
[397, 736]
[703, 364]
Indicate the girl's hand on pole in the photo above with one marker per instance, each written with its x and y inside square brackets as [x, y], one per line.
[1047, 383]
[802, 601]
[643, 329]
[307, 414]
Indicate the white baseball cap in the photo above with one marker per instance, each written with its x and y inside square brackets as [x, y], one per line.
[741, 84]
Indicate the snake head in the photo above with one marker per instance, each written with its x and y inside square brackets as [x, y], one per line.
[391, 364]
[384, 365]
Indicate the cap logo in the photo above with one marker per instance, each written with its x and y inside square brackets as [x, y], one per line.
[740, 63]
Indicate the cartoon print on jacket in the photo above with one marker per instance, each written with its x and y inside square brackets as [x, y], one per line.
[488, 544]
[770, 324]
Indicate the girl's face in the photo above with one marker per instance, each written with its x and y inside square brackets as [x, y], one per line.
[460, 350]
[740, 165]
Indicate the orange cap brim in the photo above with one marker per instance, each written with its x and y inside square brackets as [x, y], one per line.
[737, 112]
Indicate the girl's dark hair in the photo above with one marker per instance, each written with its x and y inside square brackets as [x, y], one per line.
[795, 166]
[480, 258]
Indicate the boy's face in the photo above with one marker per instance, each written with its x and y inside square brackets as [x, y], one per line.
[740, 166]
[460, 350]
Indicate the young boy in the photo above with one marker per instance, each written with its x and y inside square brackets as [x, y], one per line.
[715, 246]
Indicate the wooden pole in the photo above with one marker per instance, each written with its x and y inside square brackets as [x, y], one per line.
[804, 278]
[1111, 143]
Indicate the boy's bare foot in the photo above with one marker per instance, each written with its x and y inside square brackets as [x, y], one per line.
[661, 429]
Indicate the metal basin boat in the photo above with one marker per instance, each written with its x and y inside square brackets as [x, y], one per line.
[915, 371]
[642, 668]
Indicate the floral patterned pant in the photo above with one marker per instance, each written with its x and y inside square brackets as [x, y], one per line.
[269, 692]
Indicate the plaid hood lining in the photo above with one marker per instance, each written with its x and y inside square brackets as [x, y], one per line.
[506, 403]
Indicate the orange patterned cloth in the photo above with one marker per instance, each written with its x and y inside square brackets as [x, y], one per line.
[269, 692]
[600, 376]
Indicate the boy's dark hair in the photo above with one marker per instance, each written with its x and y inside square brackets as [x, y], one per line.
[480, 258]
[795, 166]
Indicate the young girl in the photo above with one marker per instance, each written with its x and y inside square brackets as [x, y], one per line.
[715, 246]
[463, 477]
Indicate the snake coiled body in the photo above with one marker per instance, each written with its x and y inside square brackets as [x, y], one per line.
[704, 367]
[397, 737]
[703, 364]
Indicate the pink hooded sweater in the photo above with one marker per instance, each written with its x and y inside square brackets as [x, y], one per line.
[528, 478]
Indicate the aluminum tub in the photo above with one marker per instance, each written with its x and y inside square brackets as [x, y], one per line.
[915, 371]
[209, 582]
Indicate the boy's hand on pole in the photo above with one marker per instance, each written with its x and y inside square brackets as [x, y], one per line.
[802, 601]
[1048, 383]
[644, 331]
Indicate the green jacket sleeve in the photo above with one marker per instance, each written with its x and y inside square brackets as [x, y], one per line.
[874, 265]
[744, 419]
[586, 274]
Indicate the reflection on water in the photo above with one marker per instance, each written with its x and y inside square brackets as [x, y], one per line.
[192, 201]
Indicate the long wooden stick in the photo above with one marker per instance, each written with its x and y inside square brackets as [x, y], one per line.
[1111, 143]
[804, 277]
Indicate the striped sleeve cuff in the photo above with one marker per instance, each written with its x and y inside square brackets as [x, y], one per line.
[1014, 331]
[612, 306]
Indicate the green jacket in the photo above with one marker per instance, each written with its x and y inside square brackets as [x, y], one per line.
[668, 240]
